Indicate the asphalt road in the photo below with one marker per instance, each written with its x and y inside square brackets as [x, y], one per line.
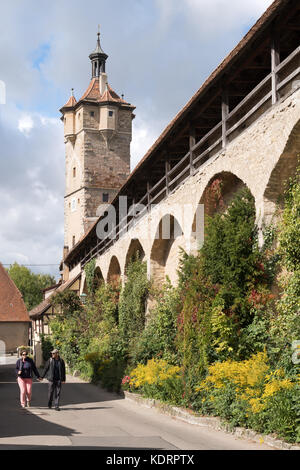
[91, 418]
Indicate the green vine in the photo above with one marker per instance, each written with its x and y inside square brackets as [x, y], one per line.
[89, 275]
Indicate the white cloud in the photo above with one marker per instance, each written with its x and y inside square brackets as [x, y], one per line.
[25, 124]
[144, 135]
[209, 17]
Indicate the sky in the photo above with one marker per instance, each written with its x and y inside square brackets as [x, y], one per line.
[160, 52]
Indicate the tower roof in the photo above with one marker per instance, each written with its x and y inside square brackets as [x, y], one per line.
[98, 50]
[93, 93]
[71, 101]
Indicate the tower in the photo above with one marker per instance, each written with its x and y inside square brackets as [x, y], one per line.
[97, 132]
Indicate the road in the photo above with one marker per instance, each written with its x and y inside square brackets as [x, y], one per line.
[92, 418]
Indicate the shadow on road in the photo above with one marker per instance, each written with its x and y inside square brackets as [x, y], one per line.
[16, 421]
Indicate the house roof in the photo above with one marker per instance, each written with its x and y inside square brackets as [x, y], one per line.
[46, 303]
[12, 306]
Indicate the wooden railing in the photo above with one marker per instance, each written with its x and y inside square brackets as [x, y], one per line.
[273, 87]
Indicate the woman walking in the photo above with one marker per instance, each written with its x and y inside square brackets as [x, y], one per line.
[25, 366]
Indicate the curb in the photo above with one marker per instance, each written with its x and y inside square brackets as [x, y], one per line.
[211, 422]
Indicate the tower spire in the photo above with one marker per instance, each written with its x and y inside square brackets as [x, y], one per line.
[98, 58]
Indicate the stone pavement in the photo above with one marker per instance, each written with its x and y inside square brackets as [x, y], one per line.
[91, 418]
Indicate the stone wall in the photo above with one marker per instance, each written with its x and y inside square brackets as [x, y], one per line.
[261, 158]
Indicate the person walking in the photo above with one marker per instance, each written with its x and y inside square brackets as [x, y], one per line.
[25, 367]
[55, 371]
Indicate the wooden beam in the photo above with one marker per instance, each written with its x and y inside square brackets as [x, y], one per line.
[148, 196]
[225, 112]
[243, 65]
[167, 169]
[192, 143]
[275, 61]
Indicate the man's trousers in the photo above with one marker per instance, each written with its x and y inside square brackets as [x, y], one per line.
[54, 389]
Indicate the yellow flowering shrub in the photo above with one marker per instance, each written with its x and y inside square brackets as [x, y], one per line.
[251, 381]
[157, 379]
[155, 371]
[244, 375]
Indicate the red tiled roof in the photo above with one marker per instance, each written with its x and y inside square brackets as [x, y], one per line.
[92, 93]
[12, 306]
[111, 95]
[71, 102]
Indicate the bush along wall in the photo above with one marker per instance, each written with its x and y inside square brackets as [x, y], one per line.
[221, 341]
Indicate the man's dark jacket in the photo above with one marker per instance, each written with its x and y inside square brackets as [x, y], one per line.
[49, 369]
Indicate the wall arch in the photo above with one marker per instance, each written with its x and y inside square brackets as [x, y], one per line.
[114, 271]
[135, 249]
[98, 278]
[284, 169]
[165, 251]
[216, 197]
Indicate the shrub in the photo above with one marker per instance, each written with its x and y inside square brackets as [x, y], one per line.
[159, 380]
[158, 337]
[133, 300]
[47, 346]
[249, 393]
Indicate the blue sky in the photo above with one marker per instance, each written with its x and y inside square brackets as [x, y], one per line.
[160, 52]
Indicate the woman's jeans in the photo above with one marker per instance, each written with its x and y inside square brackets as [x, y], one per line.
[25, 390]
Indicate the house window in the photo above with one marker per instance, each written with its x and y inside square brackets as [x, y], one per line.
[105, 197]
[74, 172]
[73, 240]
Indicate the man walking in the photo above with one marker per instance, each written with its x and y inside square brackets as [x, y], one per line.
[55, 372]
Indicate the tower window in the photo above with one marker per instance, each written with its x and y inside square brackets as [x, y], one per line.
[105, 197]
[110, 113]
[73, 205]
[74, 172]
[92, 114]
[73, 240]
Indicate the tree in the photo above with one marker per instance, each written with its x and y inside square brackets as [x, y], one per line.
[30, 284]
